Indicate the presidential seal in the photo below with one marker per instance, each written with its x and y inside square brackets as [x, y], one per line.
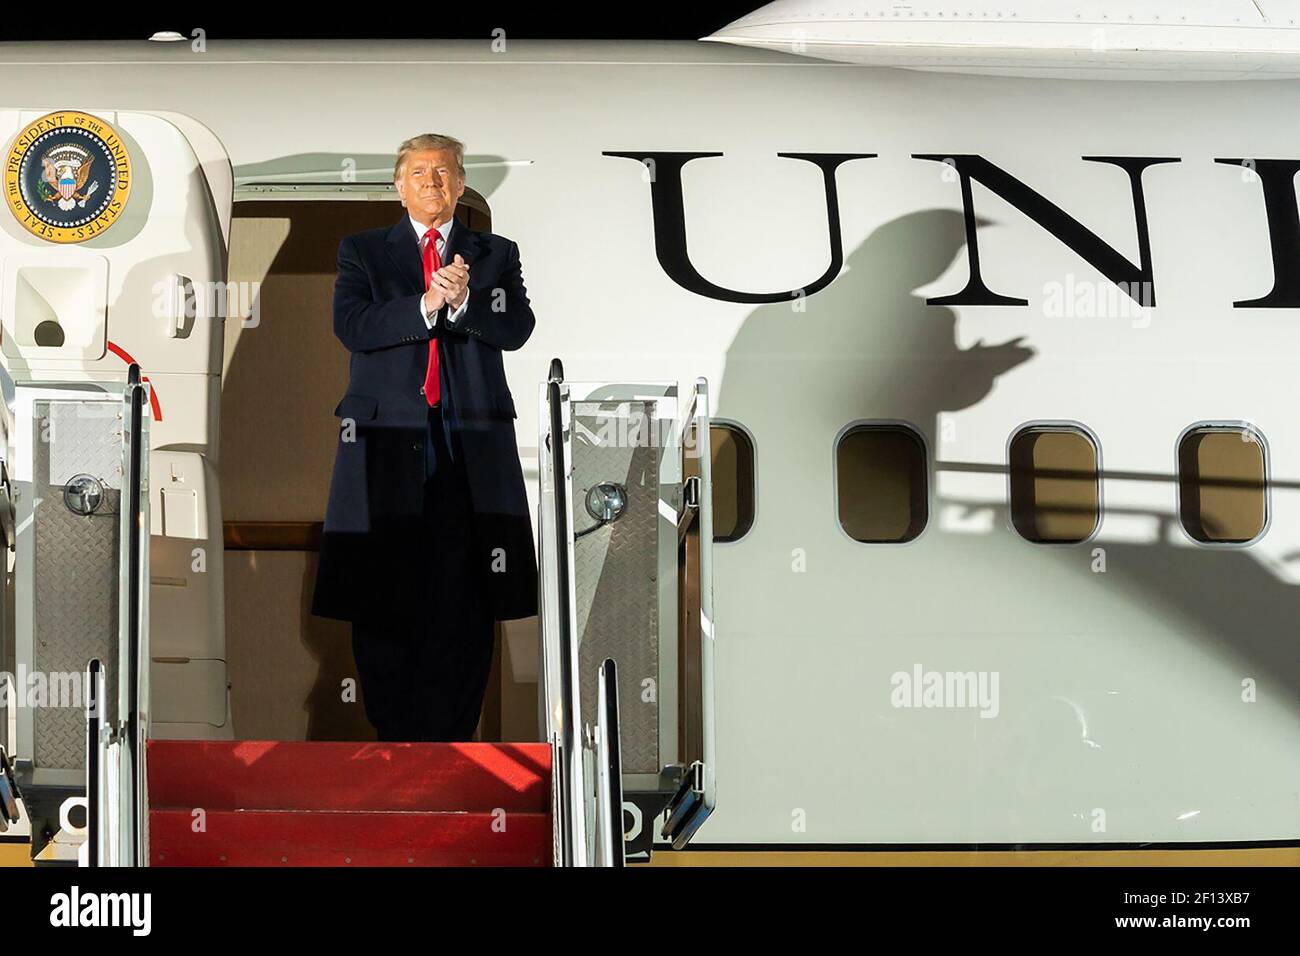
[67, 176]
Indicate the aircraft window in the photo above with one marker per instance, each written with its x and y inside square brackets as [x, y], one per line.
[1222, 484]
[733, 481]
[732, 457]
[882, 485]
[1055, 484]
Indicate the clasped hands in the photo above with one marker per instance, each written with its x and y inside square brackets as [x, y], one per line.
[450, 284]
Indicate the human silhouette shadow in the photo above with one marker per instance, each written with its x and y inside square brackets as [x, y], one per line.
[867, 346]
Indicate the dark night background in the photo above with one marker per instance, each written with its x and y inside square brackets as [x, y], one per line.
[540, 21]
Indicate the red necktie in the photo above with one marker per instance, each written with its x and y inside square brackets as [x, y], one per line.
[432, 263]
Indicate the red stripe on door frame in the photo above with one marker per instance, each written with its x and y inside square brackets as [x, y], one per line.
[125, 356]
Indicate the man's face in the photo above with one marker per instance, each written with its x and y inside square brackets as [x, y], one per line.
[430, 184]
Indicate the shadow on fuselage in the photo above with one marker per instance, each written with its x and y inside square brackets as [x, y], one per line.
[869, 347]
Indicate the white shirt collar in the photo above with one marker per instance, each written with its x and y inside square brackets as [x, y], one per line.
[421, 229]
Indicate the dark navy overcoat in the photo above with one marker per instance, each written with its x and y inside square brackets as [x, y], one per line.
[374, 557]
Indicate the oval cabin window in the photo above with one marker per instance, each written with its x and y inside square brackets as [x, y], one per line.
[1222, 484]
[882, 483]
[732, 457]
[1055, 484]
[733, 482]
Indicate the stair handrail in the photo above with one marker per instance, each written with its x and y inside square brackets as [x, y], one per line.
[587, 760]
[696, 796]
[133, 632]
[98, 805]
[611, 844]
[569, 776]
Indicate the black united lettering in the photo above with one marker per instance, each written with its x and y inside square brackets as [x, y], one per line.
[669, 217]
[1079, 238]
[1277, 178]
[1135, 280]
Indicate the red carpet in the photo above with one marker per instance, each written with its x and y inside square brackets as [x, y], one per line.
[267, 803]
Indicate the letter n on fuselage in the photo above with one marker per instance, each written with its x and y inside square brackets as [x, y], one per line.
[1136, 281]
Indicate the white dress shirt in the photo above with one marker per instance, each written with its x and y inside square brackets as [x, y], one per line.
[444, 237]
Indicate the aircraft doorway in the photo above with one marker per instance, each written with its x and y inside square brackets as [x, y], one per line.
[282, 374]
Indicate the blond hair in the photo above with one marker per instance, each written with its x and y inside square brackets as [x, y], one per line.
[430, 141]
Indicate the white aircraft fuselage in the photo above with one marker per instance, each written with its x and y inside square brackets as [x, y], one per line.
[802, 237]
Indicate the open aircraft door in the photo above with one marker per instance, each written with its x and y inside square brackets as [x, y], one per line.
[625, 533]
[113, 250]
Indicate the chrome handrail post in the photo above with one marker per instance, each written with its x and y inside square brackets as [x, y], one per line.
[611, 847]
[568, 773]
[97, 804]
[708, 713]
[133, 634]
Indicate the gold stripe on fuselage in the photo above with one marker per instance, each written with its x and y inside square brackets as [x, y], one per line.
[15, 853]
[1246, 856]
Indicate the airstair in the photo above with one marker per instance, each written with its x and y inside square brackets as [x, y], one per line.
[625, 615]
